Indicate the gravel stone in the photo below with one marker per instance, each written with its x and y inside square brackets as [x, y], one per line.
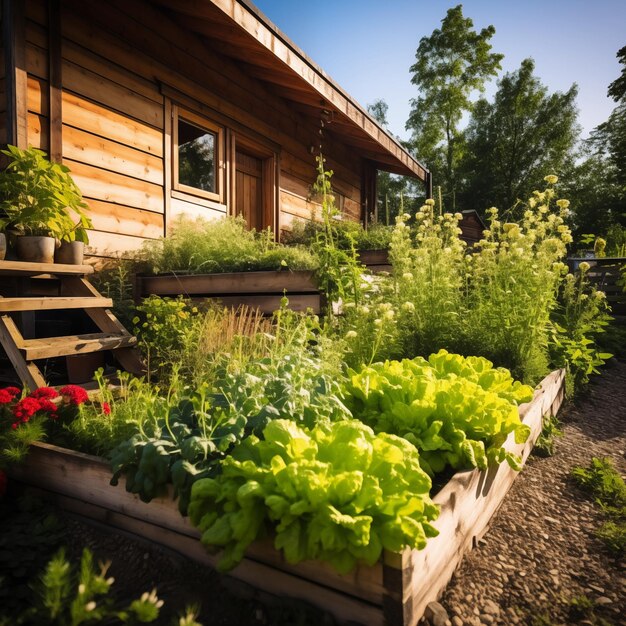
[544, 533]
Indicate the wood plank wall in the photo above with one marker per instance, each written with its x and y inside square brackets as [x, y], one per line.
[115, 57]
[3, 93]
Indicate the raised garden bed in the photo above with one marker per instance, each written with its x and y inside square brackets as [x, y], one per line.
[260, 290]
[605, 274]
[375, 260]
[394, 592]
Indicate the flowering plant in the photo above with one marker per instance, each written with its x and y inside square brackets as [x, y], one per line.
[23, 418]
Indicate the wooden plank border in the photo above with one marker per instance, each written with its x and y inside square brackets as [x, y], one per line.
[395, 592]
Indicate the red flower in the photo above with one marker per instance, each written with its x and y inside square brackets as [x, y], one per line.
[49, 407]
[106, 408]
[26, 408]
[5, 397]
[3, 483]
[73, 394]
[44, 392]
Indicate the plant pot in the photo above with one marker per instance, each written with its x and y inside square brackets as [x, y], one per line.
[3, 246]
[70, 252]
[35, 249]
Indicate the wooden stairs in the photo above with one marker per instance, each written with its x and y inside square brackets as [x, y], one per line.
[75, 292]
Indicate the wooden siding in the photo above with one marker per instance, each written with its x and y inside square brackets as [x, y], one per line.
[3, 93]
[121, 65]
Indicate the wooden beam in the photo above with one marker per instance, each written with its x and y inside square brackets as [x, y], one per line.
[55, 83]
[13, 35]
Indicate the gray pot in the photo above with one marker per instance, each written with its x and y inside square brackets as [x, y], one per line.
[70, 252]
[35, 249]
[3, 246]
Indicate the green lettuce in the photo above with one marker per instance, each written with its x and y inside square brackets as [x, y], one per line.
[337, 492]
[457, 411]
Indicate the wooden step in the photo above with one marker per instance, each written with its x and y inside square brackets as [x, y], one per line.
[74, 344]
[50, 303]
[20, 268]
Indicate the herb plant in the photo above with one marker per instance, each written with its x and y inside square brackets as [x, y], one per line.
[225, 245]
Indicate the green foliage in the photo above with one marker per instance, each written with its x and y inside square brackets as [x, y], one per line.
[69, 596]
[40, 198]
[451, 65]
[223, 245]
[337, 492]
[580, 317]
[608, 489]
[457, 411]
[514, 278]
[162, 326]
[130, 408]
[288, 370]
[346, 234]
[524, 134]
[339, 274]
[428, 274]
[544, 446]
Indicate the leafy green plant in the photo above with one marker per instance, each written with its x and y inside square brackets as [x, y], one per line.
[118, 414]
[608, 489]
[579, 318]
[224, 245]
[544, 446]
[70, 596]
[338, 493]
[339, 274]
[182, 441]
[39, 197]
[457, 411]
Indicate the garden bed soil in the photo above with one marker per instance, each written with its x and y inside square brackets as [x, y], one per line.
[261, 290]
[393, 592]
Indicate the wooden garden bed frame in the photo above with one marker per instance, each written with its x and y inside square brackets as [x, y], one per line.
[261, 290]
[394, 592]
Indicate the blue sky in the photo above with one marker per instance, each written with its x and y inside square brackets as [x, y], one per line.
[367, 46]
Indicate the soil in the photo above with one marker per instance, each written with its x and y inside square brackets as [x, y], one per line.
[540, 564]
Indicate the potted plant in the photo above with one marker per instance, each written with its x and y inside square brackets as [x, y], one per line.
[39, 200]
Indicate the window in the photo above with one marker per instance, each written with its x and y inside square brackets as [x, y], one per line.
[198, 156]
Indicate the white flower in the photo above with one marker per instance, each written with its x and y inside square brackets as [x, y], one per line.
[409, 307]
[584, 267]
[407, 276]
[377, 322]
[551, 179]
[430, 202]
[90, 606]
[351, 334]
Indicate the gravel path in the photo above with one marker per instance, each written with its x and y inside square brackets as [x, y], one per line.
[540, 563]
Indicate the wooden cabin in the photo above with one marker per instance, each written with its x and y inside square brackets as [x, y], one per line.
[197, 107]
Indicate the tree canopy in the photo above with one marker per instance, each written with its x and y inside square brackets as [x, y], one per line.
[450, 65]
[514, 141]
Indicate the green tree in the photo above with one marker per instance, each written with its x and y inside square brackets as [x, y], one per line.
[451, 65]
[514, 141]
[597, 185]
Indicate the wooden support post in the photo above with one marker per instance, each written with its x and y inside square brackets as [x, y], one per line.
[429, 185]
[13, 35]
[55, 65]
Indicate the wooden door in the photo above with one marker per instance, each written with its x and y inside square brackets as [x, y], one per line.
[249, 189]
